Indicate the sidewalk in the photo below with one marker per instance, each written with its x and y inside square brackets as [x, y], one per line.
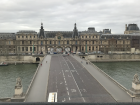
[117, 93]
[38, 90]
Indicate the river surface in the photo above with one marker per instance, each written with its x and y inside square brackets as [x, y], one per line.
[122, 72]
[8, 75]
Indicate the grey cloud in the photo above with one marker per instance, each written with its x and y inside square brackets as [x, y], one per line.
[61, 15]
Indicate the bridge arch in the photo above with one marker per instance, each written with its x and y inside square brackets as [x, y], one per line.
[50, 49]
[68, 49]
[37, 59]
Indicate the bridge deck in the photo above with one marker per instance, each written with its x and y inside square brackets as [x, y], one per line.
[38, 89]
[73, 83]
[118, 93]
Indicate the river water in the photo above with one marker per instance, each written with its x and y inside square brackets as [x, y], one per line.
[122, 72]
[8, 75]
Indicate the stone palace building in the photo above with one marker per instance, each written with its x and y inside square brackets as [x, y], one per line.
[28, 42]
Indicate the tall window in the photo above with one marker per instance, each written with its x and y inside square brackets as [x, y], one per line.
[30, 42]
[59, 42]
[22, 48]
[89, 36]
[34, 36]
[75, 42]
[67, 42]
[18, 36]
[86, 42]
[93, 48]
[50, 42]
[82, 36]
[22, 36]
[30, 37]
[86, 36]
[26, 48]
[92, 42]
[89, 48]
[34, 48]
[96, 36]
[26, 37]
[9, 42]
[82, 48]
[30, 48]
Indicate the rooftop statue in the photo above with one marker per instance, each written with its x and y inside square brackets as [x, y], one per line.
[136, 79]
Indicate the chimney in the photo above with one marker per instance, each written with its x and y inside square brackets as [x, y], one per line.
[125, 27]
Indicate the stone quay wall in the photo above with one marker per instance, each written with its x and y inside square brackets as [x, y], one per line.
[112, 57]
[19, 59]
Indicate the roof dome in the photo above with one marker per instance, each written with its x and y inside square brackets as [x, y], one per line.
[133, 27]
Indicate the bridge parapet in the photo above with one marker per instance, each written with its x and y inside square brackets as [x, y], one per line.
[29, 87]
[41, 55]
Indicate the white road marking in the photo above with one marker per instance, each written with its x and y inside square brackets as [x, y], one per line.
[66, 70]
[63, 100]
[83, 90]
[73, 90]
[68, 92]
[74, 80]
[66, 88]
[69, 76]
[73, 70]
[61, 82]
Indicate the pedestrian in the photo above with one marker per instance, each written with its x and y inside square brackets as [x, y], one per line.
[41, 64]
[46, 61]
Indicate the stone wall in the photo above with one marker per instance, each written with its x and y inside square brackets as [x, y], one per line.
[19, 59]
[113, 57]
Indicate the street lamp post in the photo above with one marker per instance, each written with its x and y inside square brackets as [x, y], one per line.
[132, 97]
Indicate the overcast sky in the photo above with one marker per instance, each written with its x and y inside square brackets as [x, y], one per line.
[60, 15]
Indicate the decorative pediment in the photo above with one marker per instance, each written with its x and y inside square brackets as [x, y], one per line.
[59, 36]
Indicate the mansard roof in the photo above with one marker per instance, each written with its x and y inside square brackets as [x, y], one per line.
[26, 32]
[7, 36]
[118, 36]
[52, 34]
[133, 27]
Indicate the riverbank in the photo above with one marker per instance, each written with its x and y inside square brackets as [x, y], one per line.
[21, 59]
[116, 60]
[111, 57]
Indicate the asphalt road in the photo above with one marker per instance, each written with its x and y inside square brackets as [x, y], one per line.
[73, 83]
[116, 91]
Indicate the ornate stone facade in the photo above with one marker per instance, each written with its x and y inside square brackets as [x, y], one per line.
[27, 42]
